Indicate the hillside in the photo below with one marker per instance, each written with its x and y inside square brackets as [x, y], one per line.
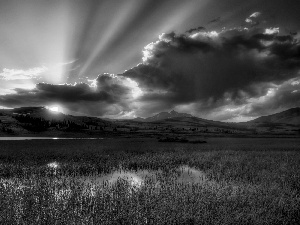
[26, 120]
[290, 116]
[162, 116]
[189, 125]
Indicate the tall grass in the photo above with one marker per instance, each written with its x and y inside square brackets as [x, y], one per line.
[242, 182]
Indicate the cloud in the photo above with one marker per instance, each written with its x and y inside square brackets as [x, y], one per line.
[216, 20]
[252, 19]
[272, 30]
[209, 70]
[296, 82]
[108, 94]
[17, 74]
[195, 29]
[255, 15]
[231, 75]
[278, 98]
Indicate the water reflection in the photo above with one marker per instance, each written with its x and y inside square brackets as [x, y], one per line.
[136, 180]
[41, 138]
[191, 175]
[133, 180]
[53, 165]
[130, 181]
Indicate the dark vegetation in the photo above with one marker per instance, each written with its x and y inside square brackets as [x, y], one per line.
[247, 181]
[173, 139]
[38, 124]
[180, 140]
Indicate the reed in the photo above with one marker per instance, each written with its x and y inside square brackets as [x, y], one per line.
[168, 184]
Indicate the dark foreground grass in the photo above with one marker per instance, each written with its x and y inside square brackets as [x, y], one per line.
[247, 181]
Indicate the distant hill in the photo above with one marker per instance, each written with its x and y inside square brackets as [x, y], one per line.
[163, 116]
[46, 114]
[290, 116]
[194, 121]
[33, 120]
[176, 119]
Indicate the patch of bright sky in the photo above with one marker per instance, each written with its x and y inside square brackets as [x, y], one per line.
[54, 108]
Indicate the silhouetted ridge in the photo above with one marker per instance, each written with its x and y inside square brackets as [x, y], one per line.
[290, 116]
[164, 115]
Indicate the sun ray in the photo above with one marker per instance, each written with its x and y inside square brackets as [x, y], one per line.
[125, 16]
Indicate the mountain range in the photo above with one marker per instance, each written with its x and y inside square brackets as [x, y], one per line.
[163, 116]
[40, 119]
[290, 116]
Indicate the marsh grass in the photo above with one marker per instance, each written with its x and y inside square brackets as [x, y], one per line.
[225, 182]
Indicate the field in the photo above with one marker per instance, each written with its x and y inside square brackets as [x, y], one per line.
[143, 181]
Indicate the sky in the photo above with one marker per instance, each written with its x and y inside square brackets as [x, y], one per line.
[231, 61]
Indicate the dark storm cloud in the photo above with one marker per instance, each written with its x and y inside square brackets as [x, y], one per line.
[281, 97]
[94, 99]
[198, 71]
[216, 20]
[208, 68]
[293, 33]
[195, 29]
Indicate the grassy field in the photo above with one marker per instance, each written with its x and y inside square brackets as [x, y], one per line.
[143, 181]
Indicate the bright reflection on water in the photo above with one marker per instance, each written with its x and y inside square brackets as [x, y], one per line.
[191, 175]
[53, 165]
[91, 185]
[39, 138]
[136, 179]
